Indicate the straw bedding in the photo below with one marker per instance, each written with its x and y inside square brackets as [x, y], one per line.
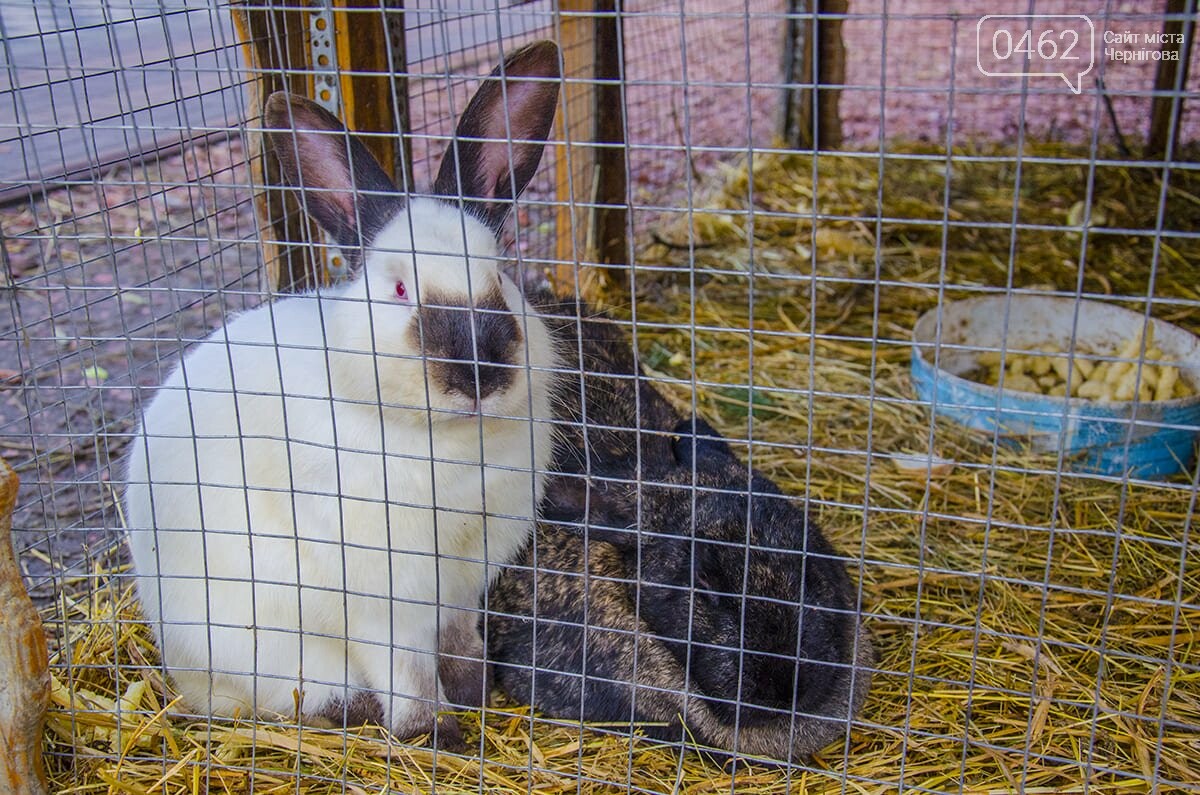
[1036, 630]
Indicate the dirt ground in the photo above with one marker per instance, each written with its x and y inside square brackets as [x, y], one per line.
[107, 280]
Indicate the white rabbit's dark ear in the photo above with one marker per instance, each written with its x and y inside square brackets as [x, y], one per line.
[345, 189]
[499, 140]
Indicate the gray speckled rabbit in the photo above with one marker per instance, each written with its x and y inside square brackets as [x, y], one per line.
[672, 603]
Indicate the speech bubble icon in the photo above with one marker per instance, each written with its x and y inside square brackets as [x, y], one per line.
[1036, 45]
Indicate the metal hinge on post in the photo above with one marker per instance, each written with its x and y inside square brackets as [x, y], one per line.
[326, 93]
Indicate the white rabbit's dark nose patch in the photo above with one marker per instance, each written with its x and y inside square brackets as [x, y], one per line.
[470, 352]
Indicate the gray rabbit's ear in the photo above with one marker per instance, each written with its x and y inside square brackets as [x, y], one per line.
[345, 189]
[602, 509]
[500, 137]
[696, 434]
[703, 562]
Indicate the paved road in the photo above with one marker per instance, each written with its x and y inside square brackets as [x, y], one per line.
[90, 82]
[84, 84]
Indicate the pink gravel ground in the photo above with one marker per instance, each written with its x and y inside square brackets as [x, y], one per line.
[900, 69]
[931, 44]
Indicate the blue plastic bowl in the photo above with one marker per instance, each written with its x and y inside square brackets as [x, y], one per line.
[1152, 439]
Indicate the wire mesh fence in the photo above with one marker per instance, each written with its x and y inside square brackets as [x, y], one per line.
[783, 498]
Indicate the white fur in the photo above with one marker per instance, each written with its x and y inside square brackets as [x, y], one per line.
[282, 488]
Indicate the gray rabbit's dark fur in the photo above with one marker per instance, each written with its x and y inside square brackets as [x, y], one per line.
[641, 562]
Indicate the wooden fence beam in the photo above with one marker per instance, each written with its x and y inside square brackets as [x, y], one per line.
[370, 64]
[373, 83]
[611, 217]
[24, 664]
[591, 180]
[1163, 134]
[275, 45]
[805, 32]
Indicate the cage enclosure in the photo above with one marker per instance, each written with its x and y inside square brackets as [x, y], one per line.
[608, 409]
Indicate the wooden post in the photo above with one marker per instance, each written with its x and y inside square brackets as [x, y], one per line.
[795, 108]
[803, 32]
[277, 43]
[24, 665]
[1163, 134]
[612, 216]
[366, 56]
[591, 112]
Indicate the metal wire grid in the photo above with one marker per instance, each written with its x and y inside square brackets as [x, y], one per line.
[78, 114]
[913, 104]
[192, 268]
[79, 108]
[450, 46]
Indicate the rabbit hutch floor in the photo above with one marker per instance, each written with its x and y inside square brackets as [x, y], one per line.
[1035, 631]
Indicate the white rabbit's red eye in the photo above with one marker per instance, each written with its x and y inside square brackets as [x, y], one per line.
[401, 291]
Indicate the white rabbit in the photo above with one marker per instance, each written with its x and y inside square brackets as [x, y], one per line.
[313, 491]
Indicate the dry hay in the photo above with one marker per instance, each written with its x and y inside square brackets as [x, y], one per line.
[1036, 630]
[111, 728]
